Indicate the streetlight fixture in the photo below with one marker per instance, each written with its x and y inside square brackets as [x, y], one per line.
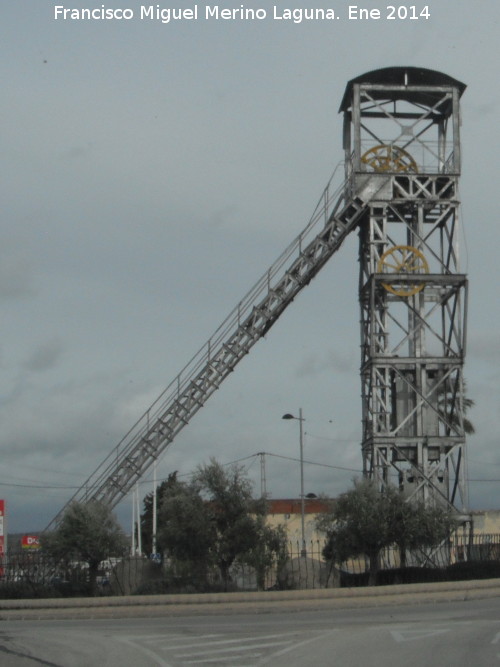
[301, 420]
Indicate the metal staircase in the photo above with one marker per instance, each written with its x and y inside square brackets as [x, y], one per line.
[335, 216]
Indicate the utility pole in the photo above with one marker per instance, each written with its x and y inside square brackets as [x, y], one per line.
[263, 489]
[153, 531]
[301, 420]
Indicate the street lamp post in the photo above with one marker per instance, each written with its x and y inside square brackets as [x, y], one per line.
[301, 420]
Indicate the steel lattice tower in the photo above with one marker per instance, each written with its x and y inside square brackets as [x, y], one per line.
[401, 137]
[402, 163]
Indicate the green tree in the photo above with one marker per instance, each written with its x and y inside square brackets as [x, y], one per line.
[365, 520]
[417, 526]
[185, 534]
[88, 532]
[358, 523]
[232, 512]
[270, 548]
[214, 520]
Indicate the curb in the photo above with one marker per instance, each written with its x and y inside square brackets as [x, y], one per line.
[250, 602]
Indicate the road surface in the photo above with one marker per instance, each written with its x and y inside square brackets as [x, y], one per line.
[432, 635]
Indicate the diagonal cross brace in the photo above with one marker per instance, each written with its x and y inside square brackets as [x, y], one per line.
[152, 434]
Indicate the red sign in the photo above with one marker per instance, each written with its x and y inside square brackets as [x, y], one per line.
[30, 542]
[3, 536]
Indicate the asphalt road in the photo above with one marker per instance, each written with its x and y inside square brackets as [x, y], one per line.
[461, 633]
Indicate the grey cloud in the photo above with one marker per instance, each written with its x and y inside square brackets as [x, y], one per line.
[316, 363]
[45, 356]
[76, 152]
[65, 419]
[484, 346]
[16, 275]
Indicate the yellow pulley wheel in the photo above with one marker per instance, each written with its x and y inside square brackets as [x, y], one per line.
[389, 158]
[403, 259]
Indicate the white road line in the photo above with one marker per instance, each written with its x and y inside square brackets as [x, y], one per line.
[143, 649]
[238, 640]
[295, 645]
[164, 642]
[232, 649]
[157, 638]
[229, 659]
[412, 635]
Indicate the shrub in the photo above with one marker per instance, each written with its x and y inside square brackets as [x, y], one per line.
[474, 569]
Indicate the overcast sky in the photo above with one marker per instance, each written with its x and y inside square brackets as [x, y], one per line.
[151, 173]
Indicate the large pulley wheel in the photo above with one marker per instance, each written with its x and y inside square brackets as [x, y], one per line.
[407, 260]
[389, 158]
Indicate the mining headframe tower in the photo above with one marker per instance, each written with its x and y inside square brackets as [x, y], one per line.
[400, 192]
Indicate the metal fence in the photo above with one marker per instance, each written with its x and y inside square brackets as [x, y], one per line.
[33, 574]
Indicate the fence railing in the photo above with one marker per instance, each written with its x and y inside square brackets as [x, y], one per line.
[34, 574]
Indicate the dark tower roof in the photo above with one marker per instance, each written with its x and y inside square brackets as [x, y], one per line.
[402, 76]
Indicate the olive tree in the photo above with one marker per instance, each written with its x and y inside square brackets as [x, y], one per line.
[365, 520]
[269, 548]
[87, 532]
[185, 534]
[213, 520]
[417, 526]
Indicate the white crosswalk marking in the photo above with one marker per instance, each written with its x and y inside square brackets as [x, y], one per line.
[225, 641]
[219, 650]
[229, 660]
[245, 650]
[411, 635]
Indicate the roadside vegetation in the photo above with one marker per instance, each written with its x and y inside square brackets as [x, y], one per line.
[88, 533]
[211, 523]
[213, 535]
[364, 521]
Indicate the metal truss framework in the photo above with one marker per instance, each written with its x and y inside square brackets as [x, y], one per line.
[333, 219]
[411, 291]
[412, 319]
